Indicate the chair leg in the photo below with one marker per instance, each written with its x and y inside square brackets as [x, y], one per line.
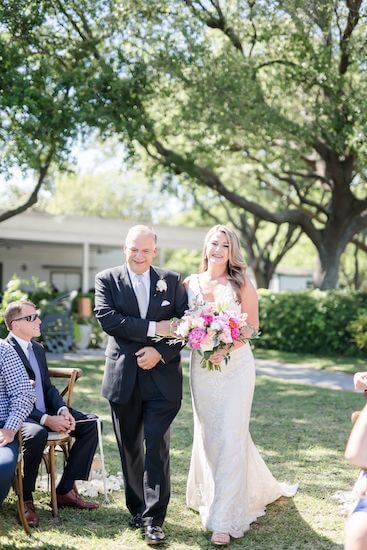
[20, 500]
[52, 463]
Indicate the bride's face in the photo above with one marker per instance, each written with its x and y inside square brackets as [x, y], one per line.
[217, 249]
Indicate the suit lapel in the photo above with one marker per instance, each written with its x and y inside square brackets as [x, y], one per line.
[155, 297]
[128, 291]
[12, 341]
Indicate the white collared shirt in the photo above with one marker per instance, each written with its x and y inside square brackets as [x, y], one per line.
[146, 281]
[24, 345]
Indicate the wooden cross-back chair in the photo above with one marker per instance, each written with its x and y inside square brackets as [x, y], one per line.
[58, 441]
[18, 487]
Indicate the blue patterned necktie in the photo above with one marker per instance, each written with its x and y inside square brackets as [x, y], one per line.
[40, 402]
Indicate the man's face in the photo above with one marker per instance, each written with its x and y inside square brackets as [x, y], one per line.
[26, 328]
[140, 250]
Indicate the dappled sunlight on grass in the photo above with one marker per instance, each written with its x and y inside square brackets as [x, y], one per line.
[301, 431]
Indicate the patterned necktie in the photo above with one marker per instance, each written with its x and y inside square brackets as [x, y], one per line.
[141, 295]
[40, 402]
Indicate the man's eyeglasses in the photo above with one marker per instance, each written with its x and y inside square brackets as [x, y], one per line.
[28, 318]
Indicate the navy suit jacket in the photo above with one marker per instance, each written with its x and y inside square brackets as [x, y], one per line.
[53, 399]
[117, 311]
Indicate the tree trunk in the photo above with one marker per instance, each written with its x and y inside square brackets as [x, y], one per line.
[262, 280]
[326, 274]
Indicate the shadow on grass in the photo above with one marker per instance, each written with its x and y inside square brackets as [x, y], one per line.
[301, 432]
[281, 528]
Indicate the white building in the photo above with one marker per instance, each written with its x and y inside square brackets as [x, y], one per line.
[67, 251]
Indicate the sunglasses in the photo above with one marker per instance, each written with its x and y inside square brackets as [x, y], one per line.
[28, 318]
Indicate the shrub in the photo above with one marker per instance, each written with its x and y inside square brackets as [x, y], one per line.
[32, 289]
[310, 321]
[358, 330]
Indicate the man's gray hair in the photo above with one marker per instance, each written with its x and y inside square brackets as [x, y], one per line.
[144, 229]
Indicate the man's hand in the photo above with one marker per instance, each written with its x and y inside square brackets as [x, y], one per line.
[360, 381]
[58, 423]
[148, 358]
[6, 436]
[66, 414]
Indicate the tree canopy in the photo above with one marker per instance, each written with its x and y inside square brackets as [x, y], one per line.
[262, 102]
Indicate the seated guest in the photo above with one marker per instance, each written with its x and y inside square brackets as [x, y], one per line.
[16, 402]
[50, 413]
[360, 381]
[356, 453]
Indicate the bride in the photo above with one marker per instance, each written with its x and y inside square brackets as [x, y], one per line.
[228, 484]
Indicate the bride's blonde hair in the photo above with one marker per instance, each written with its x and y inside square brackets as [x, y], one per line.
[236, 266]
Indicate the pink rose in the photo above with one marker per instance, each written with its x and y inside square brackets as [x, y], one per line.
[235, 333]
[208, 318]
[196, 337]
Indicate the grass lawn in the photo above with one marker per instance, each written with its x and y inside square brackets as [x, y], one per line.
[335, 363]
[301, 432]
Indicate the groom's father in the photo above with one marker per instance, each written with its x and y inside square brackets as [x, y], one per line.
[142, 379]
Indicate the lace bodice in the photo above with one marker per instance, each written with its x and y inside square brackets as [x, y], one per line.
[227, 296]
[229, 483]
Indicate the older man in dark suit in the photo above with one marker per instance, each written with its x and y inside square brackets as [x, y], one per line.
[50, 413]
[142, 379]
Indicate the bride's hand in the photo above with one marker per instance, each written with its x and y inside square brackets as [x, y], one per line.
[218, 356]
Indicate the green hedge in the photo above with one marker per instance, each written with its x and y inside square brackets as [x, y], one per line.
[311, 321]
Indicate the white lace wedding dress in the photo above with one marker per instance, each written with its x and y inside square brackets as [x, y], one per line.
[229, 484]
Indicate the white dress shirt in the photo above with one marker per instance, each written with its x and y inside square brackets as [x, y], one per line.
[24, 345]
[145, 277]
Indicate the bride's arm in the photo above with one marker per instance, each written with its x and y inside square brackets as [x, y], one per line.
[249, 305]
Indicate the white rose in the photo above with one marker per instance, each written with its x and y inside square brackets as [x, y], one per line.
[161, 286]
[198, 322]
[183, 329]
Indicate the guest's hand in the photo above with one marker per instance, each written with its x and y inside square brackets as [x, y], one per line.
[6, 436]
[360, 381]
[148, 357]
[58, 423]
[66, 414]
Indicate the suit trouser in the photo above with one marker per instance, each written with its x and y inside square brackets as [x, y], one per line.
[8, 463]
[147, 416]
[80, 457]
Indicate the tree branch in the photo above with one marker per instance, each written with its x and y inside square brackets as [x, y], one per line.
[352, 21]
[34, 195]
[217, 21]
[204, 175]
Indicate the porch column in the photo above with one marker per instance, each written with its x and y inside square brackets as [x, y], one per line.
[85, 281]
[161, 257]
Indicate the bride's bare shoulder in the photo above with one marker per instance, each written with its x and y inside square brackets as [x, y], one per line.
[189, 278]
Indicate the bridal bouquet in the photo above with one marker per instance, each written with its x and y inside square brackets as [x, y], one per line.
[207, 328]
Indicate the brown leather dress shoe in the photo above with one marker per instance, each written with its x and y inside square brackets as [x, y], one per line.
[31, 514]
[75, 501]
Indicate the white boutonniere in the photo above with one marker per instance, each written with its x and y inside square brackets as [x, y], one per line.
[161, 286]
